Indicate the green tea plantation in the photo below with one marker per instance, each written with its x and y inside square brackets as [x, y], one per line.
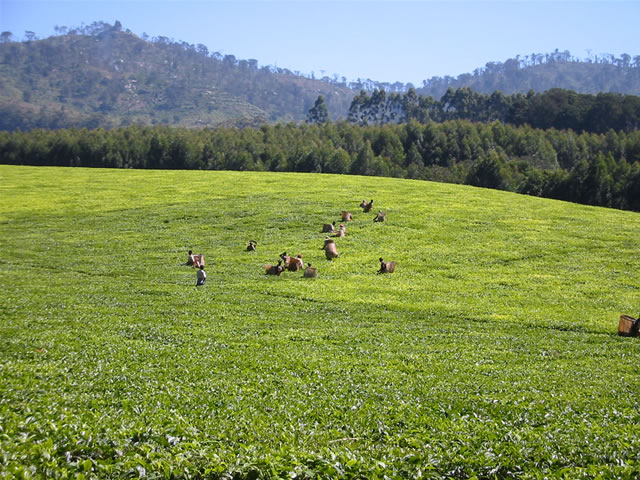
[490, 353]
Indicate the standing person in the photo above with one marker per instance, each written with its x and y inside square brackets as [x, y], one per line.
[201, 276]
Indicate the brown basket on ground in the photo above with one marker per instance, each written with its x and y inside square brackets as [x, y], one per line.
[198, 260]
[628, 326]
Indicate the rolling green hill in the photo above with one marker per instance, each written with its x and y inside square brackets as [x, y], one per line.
[491, 352]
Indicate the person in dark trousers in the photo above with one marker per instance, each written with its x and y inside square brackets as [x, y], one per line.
[201, 276]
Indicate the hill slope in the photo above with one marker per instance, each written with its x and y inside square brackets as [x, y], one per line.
[490, 351]
[108, 77]
[102, 76]
[545, 72]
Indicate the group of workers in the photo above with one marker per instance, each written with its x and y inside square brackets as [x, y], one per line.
[197, 260]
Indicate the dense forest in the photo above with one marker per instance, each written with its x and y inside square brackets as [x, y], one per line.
[102, 75]
[591, 168]
[556, 108]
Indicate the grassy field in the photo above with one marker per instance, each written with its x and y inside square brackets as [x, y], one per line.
[491, 352]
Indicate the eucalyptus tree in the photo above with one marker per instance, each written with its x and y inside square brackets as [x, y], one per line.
[318, 113]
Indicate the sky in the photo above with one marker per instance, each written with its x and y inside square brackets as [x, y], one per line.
[382, 40]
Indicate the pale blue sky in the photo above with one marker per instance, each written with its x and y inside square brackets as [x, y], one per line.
[406, 41]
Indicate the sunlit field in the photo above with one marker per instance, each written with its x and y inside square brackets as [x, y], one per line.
[490, 352]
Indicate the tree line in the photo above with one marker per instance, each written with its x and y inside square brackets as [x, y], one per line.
[555, 108]
[591, 168]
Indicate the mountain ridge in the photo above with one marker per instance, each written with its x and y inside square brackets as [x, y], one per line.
[113, 78]
[104, 76]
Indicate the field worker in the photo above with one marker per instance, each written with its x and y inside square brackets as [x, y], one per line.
[201, 276]
[191, 260]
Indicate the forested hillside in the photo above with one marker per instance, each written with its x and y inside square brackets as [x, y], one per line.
[541, 72]
[102, 76]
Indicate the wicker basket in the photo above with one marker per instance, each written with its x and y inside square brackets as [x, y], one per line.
[628, 326]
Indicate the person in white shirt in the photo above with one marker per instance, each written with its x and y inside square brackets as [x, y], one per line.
[201, 276]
